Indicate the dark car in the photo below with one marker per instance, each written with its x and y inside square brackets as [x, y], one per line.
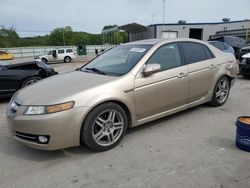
[236, 42]
[16, 76]
[222, 46]
[244, 66]
[243, 51]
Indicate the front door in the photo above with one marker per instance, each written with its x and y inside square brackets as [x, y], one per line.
[165, 90]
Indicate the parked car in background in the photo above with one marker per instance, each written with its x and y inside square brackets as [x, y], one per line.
[63, 54]
[244, 66]
[5, 55]
[126, 86]
[243, 51]
[16, 76]
[222, 46]
[236, 42]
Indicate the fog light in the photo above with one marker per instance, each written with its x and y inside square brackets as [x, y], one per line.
[43, 139]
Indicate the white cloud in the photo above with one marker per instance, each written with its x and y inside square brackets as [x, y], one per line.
[91, 16]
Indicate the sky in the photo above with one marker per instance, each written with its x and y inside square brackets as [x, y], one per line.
[33, 17]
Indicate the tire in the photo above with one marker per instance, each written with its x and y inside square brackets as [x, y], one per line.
[30, 81]
[221, 92]
[99, 131]
[44, 60]
[67, 59]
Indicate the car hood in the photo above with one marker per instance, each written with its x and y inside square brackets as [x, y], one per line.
[59, 88]
[246, 56]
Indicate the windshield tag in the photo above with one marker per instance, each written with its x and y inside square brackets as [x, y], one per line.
[137, 50]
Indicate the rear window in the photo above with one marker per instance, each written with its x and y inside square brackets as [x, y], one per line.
[195, 52]
[69, 50]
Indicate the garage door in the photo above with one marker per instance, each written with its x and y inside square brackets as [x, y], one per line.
[169, 34]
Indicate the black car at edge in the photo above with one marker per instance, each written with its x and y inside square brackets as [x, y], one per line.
[16, 76]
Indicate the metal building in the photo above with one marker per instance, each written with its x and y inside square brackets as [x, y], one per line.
[202, 31]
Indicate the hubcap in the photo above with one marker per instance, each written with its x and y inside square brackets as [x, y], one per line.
[222, 91]
[31, 82]
[107, 128]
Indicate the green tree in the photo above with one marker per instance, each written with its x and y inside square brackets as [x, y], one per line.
[61, 36]
[8, 37]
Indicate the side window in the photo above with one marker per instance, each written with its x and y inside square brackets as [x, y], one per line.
[168, 56]
[60, 51]
[69, 50]
[209, 54]
[195, 52]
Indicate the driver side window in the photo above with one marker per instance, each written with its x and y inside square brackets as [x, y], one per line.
[168, 56]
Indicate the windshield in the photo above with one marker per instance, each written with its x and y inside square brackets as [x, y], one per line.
[117, 61]
[50, 52]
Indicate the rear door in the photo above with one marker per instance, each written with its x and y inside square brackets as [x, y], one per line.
[60, 54]
[201, 67]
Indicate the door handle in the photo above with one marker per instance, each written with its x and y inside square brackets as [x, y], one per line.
[212, 66]
[181, 75]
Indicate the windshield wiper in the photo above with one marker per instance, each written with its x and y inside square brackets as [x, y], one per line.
[96, 70]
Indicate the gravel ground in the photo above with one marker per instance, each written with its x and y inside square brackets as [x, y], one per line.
[194, 148]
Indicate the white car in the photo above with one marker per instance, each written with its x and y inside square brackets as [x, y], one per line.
[62, 54]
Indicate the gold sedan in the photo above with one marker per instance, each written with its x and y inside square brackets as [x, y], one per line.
[126, 86]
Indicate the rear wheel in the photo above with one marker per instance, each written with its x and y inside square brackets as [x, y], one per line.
[67, 59]
[104, 127]
[30, 81]
[221, 92]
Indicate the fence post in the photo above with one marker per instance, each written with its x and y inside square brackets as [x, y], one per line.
[21, 52]
[34, 53]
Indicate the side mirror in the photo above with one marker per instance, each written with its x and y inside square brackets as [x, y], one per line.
[150, 69]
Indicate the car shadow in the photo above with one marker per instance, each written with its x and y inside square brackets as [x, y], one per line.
[19, 150]
[165, 119]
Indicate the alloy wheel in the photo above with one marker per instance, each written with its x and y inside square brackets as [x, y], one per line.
[222, 91]
[107, 127]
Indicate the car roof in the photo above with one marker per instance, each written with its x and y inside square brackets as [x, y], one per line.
[155, 41]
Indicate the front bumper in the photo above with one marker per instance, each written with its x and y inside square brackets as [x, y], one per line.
[244, 69]
[62, 128]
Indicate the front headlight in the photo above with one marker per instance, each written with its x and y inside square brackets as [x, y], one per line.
[40, 110]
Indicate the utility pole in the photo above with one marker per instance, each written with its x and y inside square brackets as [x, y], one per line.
[247, 32]
[152, 19]
[163, 14]
[63, 39]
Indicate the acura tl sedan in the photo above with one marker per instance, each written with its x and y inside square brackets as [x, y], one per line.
[126, 86]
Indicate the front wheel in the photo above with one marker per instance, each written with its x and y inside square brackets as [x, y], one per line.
[104, 127]
[30, 81]
[221, 92]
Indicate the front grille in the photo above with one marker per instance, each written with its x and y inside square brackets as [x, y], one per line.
[248, 61]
